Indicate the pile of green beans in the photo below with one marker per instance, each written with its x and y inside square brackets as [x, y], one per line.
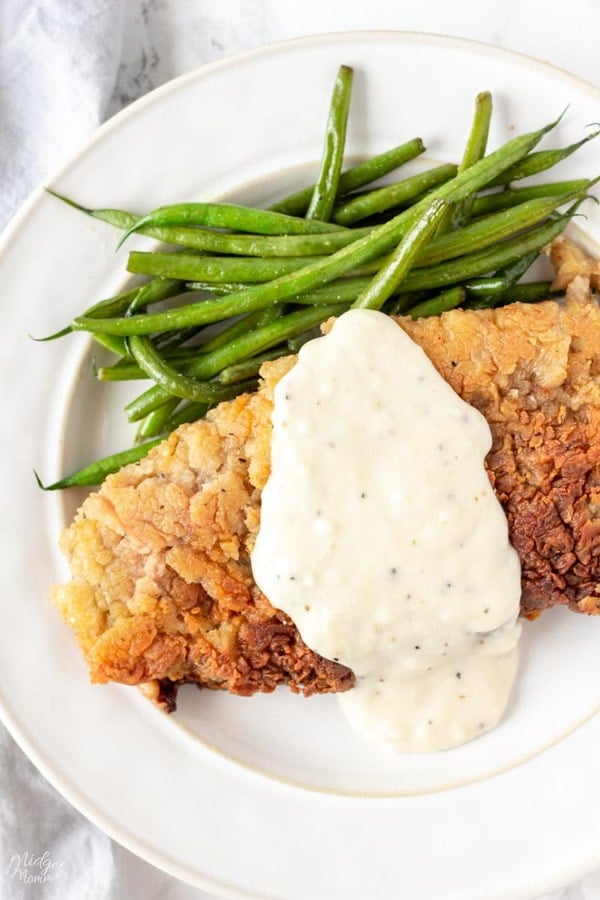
[448, 236]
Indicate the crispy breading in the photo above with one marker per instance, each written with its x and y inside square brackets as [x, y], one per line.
[534, 373]
[162, 588]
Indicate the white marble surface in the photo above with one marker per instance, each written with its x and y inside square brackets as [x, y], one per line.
[163, 38]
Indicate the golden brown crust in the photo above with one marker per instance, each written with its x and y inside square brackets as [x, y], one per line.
[162, 589]
[534, 373]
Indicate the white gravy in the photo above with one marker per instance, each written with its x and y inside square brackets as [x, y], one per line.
[382, 539]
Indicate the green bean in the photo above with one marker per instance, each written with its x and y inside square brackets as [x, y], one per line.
[356, 208]
[540, 161]
[478, 235]
[396, 268]
[435, 306]
[483, 261]
[153, 291]
[115, 306]
[503, 199]
[127, 369]
[240, 348]
[113, 343]
[356, 177]
[175, 339]
[257, 245]
[97, 471]
[52, 337]
[241, 326]
[513, 270]
[215, 269]
[117, 217]
[169, 379]
[227, 215]
[529, 292]
[508, 274]
[250, 367]
[326, 188]
[155, 422]
[186, 412]
[474, 151]
[381, 239]
[491, 230]
[295, 343]
[202, 239]
[399, 304]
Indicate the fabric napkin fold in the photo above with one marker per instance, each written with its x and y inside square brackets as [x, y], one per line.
[59, 60]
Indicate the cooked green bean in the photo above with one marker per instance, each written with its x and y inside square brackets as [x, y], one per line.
[175, 339]
[251, 366]
[490, 230]
[489, 203]
[153, 291]
[186, 412]
[201, 239]
[227, 215]
[435, 306]
[540, 161]
[380, 240]
[241, 326]
[509, 274]
[478, 235]
[356, 177]
[97, 471]
[169, 379]
[326, 187]
[295, 343]
[529, 292]
[256, 245]
[113, 343]
[402, 192]
[127, 369]
[156, 421]
[216, 269]
[474, 151]
[483, 261]
[250, 344]
[396, 268]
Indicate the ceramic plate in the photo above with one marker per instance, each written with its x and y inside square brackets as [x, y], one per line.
[274, 796]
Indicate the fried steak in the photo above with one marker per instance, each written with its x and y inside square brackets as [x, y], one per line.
[162, 590]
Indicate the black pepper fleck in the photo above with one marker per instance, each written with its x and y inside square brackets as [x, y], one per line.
[458, 675]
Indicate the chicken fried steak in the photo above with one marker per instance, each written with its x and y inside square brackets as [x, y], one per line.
[162, 590]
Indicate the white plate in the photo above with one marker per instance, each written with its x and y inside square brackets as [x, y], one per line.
[273, 796]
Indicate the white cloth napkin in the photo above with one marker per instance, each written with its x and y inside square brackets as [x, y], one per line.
[58, 64]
